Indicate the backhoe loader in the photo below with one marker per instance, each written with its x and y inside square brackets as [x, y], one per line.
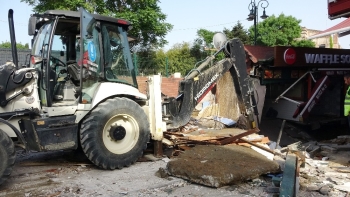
[80, 89]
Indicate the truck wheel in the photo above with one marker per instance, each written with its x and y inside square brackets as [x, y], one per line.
[115, 134]
[7, 155]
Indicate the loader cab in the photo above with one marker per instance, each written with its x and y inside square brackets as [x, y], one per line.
[74, 52]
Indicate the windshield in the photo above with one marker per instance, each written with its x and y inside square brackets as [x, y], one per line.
[39, 49]
[118, 62]
[41, 41]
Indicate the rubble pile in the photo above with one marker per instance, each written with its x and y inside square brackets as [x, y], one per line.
[217, 158]
[234, 156]
[326, 170]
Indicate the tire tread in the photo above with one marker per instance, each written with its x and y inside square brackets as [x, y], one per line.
[89, 134]
[7, 144]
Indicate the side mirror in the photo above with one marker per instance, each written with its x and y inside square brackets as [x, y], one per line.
[31, 25]
[219, 40]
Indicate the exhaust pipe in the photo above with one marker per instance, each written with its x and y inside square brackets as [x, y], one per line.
[13, 38]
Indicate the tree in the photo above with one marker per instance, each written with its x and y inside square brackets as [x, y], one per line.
[197, 50]
[279, 31]
[303, 43]
[237, 31]
[202, 44]
[206, 36]
[148, 21]
[7, 45]
[147, 63]
[179, 58]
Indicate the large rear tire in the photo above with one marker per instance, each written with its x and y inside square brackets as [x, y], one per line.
[7, 156]
[115, 133]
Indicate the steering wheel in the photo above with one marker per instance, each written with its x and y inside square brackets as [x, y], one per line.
[55, 59]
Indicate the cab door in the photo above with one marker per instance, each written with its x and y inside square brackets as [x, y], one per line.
[90, 57]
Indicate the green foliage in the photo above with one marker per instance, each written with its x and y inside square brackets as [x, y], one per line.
[237, 31]
[331, 42]
[202, 45]
[303, 43]
[148, 21]
[146, 61]
[206, 36]
[161, 61]
[154, 61]
[7, 45]
[43, 5]
[180, 59]
[277, 31]
[198, 50]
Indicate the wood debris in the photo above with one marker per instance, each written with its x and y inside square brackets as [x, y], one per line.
[239, 136]
[192, 135]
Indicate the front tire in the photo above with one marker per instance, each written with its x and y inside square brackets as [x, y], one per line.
[115, 134]
[7, 156]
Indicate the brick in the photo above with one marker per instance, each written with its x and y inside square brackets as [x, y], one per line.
[170, 86]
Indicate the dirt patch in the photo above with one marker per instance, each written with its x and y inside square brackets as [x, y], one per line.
[216, 166]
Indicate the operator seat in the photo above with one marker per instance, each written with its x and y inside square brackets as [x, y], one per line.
[74, 72]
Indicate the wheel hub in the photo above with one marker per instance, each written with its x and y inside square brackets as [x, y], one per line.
[117, 132]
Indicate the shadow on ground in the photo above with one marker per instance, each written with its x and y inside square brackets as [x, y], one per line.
[293, 132]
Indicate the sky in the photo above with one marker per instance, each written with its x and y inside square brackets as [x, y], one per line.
[187, 16]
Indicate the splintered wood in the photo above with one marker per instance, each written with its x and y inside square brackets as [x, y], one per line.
[193, 136]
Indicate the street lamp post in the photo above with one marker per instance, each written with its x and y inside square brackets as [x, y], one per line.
[253, 15]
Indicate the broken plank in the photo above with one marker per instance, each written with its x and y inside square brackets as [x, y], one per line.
[200, 138]
[239, 136]
[261, 147]
[264, 140]
[203, 142]
[197, 138]
[244, 144]
[173, 133]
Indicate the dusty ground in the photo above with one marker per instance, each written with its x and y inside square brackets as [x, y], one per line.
[64, 173]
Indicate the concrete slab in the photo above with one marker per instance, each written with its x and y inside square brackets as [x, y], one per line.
[217, 166]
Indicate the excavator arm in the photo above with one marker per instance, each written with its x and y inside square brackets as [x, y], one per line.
[200, 81]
